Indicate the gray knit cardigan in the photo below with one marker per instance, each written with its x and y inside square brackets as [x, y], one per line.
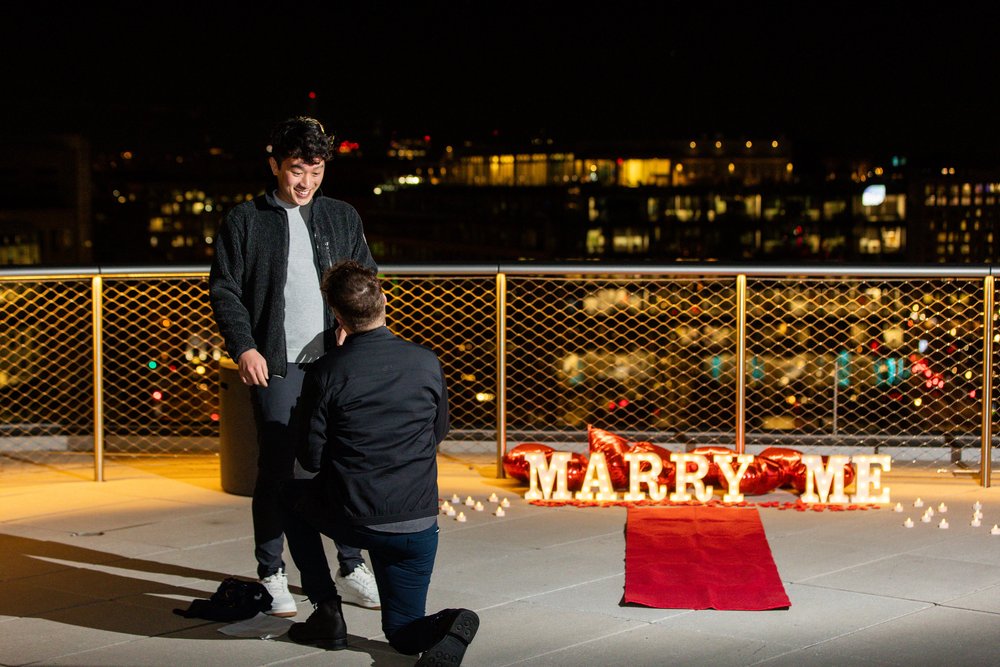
[247, 280]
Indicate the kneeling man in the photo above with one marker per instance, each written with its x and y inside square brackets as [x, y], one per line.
[372, 413]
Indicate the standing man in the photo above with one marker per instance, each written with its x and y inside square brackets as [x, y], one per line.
[264, 290]
[371, 416]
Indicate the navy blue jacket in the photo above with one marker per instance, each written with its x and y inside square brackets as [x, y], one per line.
[246, 284]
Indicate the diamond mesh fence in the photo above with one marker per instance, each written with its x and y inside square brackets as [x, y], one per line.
[644, 358]
[456, 317]
[46, 358]
[891, 365]
[848, 365]
[161, 373]
[894, 366]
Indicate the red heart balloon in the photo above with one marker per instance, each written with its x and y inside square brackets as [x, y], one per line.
[788, 460]
[576, 470]
[516, 466]
[613, 447]
[762, 476]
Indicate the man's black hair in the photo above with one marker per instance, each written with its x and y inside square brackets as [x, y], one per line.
[300, 137]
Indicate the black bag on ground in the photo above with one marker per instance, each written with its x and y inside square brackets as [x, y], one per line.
[234, 600]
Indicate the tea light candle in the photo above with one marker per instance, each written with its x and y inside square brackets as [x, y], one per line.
[445, 506]
[918, 503]
[505, 503]
[455, 498]
[976, 523]
[493, 498]
[942, 508]
[451, 511]
[944, 524]
[908, 523]
[977, 506]
[461, 517]
[469, 501]
[925, 519]
[898, 507]
[929, 511]
[500, 511]
[977, 515]
[479, 507]
[995, 530]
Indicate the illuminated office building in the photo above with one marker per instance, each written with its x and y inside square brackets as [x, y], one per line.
[956, 216]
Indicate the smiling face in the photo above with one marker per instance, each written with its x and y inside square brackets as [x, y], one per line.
[298, 180]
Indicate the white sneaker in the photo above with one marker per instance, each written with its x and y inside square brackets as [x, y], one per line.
[282, 602]
[358, 588]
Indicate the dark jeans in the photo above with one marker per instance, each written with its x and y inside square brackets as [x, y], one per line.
[272, 408]
[402, 563]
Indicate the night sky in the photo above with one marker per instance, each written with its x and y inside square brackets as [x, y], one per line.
[918, 78]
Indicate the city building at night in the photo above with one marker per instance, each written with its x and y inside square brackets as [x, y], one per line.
[701, 199]
[45, 200]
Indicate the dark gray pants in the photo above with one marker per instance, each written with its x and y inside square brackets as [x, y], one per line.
[272, 407]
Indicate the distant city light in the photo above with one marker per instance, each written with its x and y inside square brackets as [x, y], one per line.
[377, 190]
[693, 145]
[774, 144]
[312, 94]
[873, 195]
[718, 144]
[749, 144]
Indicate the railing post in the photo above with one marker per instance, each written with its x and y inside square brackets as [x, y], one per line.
[741, 362]
[986, 458]
[501, 292]
[97, 301]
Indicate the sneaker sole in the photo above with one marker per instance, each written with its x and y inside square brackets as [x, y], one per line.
[282, 614]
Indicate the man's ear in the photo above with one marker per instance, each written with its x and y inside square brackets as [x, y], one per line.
[274, 165]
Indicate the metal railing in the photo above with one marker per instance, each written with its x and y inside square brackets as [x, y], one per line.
[899, 360]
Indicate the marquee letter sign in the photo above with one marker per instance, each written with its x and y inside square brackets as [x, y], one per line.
[824, 483]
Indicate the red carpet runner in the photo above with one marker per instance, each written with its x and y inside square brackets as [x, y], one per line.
[700, 558]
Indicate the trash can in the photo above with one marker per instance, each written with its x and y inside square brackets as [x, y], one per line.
[237, 432]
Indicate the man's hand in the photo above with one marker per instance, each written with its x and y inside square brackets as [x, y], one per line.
[253, 368]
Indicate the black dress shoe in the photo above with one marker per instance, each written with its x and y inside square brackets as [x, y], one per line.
[324, 628]
[458, 628]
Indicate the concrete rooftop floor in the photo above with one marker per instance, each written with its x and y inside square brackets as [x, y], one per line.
[90, 573]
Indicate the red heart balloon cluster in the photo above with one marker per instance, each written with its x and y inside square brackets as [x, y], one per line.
[793, 470]
[773, 468]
